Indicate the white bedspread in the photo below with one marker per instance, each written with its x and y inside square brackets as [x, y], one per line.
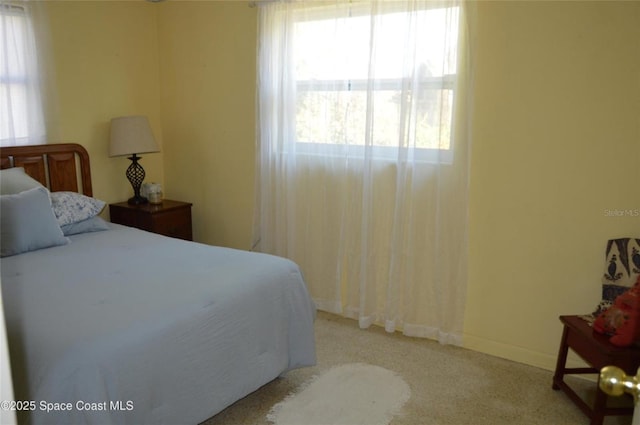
[150, 329]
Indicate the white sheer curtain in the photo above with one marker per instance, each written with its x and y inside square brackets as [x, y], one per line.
[363, 154]
[21, 118]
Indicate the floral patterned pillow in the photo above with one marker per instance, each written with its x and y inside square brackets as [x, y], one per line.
[71, 207]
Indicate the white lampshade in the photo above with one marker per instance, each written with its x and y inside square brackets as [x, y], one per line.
[131, 134]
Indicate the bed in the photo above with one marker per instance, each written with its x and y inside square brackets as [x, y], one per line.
[121, 326]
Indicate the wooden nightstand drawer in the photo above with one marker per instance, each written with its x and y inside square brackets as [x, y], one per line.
[176, 224]
[171, 218]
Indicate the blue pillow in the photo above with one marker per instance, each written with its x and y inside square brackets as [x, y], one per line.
[93, 224]
[27, 223]
[16, 180]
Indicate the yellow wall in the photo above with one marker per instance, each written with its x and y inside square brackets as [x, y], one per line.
[556, 139]
[208, 74]
[556, 143]
[103, 63]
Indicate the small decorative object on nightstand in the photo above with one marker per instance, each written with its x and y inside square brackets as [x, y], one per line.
[170, 218]
[152, 191]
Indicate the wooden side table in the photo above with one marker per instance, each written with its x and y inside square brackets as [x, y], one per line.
[598, 352]
[170, 218]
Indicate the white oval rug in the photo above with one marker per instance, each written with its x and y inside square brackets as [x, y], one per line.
[349, 394]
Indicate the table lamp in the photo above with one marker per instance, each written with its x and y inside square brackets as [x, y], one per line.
[131, 135]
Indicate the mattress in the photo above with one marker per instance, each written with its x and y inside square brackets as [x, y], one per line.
[128, 327]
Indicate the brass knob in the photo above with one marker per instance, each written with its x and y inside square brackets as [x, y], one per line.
[615, 382]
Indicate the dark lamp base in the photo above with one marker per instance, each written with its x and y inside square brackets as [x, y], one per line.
[138, 200]
[135, 173]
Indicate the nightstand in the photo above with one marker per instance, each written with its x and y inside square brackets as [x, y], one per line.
[170, 218]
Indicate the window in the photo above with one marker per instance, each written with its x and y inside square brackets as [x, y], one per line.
[362, 159]
[385, 80]
[20, 106]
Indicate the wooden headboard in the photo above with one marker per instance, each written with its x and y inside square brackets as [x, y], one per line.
[60, 167]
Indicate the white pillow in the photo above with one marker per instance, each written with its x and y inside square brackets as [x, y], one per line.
[15, 180]
[71, 207]
[27, 222]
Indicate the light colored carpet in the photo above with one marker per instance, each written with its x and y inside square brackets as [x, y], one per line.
[352, 393]
[449, 385]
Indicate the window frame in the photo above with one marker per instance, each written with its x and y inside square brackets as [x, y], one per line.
[419, 154]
